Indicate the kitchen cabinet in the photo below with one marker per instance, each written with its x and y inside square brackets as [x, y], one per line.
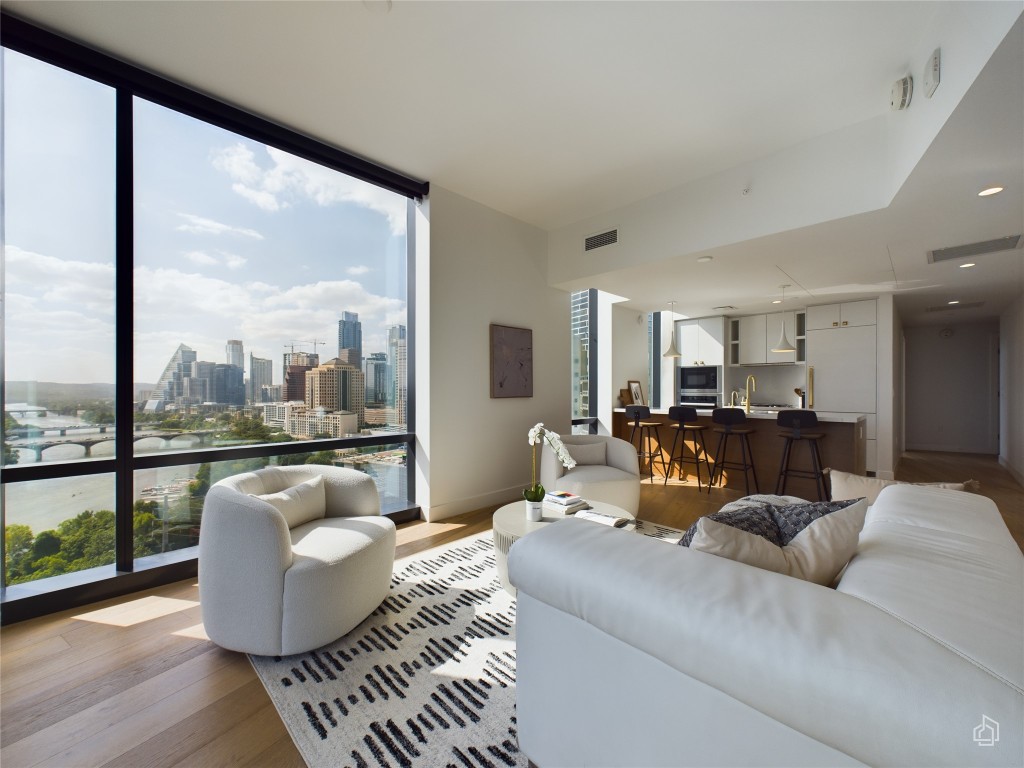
[843, 363]
[845, 315]
[752, 338]
[751, 332]
[701, 341]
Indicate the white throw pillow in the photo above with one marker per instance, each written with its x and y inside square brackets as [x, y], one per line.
[588, 453]
[849, 486]
[812, 541]
[301, 503]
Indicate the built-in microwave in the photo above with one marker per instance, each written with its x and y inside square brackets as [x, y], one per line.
[700, 379]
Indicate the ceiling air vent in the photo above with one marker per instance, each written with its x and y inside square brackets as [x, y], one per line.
[973, 249]
[611, 237]
[949, 307]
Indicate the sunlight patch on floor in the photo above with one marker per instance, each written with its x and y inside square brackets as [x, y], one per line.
[196, 631]
[137, 611]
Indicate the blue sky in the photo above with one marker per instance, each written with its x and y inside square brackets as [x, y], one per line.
[233, 239]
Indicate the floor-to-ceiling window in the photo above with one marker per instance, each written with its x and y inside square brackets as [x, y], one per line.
[583, 320]
[188, 292]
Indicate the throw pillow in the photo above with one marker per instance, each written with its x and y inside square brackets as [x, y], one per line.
[301, 503]
[811, 541]
[819, 538]
[588, 453]
[849, 486]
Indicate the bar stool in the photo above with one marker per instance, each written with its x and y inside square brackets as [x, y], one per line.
[648, 429]
[728, 421]
[795, 422]
[686, 424]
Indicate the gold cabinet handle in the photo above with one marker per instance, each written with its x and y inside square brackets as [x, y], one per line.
[810, 386]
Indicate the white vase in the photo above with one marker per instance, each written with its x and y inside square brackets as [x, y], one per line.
[533, 511]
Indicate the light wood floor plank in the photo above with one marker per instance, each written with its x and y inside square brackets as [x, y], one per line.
[76, 689]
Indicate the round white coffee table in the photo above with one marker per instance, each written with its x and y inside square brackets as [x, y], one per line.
[510, 524]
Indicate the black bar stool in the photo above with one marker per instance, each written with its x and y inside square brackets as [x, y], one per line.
[729, 421]
[795, 422]
[686, 424]
[648, 430]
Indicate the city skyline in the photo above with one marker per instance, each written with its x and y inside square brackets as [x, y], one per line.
[234, 239]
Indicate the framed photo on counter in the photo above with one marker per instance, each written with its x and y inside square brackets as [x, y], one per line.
[636, 393]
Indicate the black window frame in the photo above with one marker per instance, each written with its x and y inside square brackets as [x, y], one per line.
[23, 601]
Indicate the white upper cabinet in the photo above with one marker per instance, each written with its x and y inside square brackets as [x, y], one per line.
[701, 341]
[753, 340]
[848, 314]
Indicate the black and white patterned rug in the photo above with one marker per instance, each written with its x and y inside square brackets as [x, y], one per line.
[427, 680]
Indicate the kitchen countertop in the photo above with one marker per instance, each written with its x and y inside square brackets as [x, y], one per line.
[771, 414]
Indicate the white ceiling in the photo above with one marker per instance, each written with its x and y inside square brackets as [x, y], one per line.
[553, 112]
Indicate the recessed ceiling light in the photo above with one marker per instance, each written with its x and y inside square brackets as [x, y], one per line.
[968, 264]
[777, 301]
[990, 191]
[705, 259]
[952, 302]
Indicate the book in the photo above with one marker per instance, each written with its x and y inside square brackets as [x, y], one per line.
[567, 509]
[562, 497]
[601, 517]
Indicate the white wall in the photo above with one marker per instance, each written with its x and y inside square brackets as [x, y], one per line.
[482, 267]
[629, 351]
[1011, 386]
[951, 395]
[886, 344]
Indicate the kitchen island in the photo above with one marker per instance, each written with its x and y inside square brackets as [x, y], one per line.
[844, 447]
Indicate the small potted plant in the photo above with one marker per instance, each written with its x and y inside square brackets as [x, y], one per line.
[534, 495]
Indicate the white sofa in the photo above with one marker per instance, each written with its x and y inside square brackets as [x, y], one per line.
[607, 470]
[631, 651]
[275, 582]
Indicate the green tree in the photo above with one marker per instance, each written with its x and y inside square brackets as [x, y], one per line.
[321, 457]
[47, 544]
[292, 459]
[10, 453]
[18, 541]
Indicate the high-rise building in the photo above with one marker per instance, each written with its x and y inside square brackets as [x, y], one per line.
[376, 371]
[261, 374]
[164, 389]
[350, 337]
[227, 385]
[336, 386]
[295, 366]
[235, 353]
[398, 368]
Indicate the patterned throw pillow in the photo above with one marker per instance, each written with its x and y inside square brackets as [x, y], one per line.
[812, 540]
[755, 520]
[793, 518]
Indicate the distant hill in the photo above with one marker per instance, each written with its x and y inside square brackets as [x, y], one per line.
[47, 392]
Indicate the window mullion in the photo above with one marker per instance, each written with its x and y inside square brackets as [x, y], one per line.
[124, 332]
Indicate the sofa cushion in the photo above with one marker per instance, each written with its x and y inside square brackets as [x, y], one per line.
[301, 503]
[812, 541]
[849, 486]
[588, 453]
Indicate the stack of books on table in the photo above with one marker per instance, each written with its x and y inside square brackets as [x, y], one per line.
[564, 502]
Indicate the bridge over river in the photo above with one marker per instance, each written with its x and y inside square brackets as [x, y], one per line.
[89, 436]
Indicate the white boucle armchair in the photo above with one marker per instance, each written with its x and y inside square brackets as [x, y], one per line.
[607, 469]
[292, 558]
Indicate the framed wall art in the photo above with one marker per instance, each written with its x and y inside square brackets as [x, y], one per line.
[511, 361]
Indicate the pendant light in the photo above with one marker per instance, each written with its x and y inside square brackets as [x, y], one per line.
[783, 345]
[672, 351]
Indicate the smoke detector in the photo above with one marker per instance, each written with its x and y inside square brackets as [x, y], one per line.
[902, 92]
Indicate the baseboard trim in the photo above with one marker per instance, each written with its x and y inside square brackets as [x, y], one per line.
[1018, 476]
[439, 512]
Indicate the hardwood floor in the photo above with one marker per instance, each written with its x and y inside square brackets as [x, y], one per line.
[135, 682]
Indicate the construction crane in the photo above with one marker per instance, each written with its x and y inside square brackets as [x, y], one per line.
[315, 342]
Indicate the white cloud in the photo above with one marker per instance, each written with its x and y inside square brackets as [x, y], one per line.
[362, 269]
[234, 261]
[199, 257]
[202, 226]
[291, 176]
[83, 286]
